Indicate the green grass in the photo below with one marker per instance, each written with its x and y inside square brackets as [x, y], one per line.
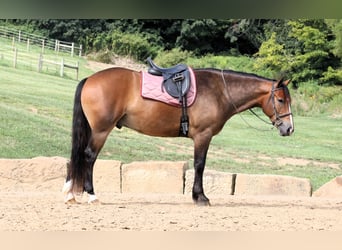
[36, 114]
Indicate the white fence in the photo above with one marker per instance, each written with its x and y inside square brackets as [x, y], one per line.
[60, 64]
[16, 58]
[45, 43]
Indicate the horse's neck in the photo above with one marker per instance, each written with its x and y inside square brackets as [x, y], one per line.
[245, 95]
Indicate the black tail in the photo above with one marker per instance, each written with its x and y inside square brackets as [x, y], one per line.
[81, 133]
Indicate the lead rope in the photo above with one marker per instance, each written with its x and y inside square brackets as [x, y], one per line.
[250, 110]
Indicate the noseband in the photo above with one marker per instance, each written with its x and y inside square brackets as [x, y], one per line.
[278, 121]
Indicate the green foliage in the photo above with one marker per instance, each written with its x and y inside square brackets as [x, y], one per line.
[240, 63]
[332, 76]
[308, 37]
[105, 56]
[101, 42]
[304, 58]
[310, 99]
[133, 45]
[336, 27]
[136, 46]
[203, 35]
[302, 49]
[237, 63]
[172, 57]
[210, 61]
[318, 94]
[271, 55]
[311, 53]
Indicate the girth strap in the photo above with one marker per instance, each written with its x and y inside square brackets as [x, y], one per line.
[184, 122]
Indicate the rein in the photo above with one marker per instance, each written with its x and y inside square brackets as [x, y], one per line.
[260, 118]
[278, 120]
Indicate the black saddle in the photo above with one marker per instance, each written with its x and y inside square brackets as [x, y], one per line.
[176, 79]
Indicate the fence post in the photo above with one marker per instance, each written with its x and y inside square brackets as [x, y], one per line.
[19, 36]
[72, 49]
[62, 67]
[15, 58]
[43, 45]
[57, 46]
[28, 45]
[40, 62]
[77, 68]
[80, 52]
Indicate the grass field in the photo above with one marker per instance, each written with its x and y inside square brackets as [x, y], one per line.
[36, 113]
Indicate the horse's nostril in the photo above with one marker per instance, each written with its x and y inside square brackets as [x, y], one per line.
[289, 130]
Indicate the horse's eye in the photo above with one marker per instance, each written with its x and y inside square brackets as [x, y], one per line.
[280, 100]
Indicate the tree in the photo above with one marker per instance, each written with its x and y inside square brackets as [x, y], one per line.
[305, 56]
[272, 55]
[336, 28]
[203, 36]
[334, 72]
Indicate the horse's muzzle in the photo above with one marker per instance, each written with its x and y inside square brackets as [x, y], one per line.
[285, 129]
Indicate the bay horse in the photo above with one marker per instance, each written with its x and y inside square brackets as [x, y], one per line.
[112, 98]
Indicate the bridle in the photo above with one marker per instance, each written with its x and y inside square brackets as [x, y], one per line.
[278, 121]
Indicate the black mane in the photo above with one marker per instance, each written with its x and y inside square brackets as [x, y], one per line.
[238, 73]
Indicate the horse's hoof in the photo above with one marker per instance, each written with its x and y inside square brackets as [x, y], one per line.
[71, 201]
[93, 199]
[94, 202]
[203, 203]
[201, 200]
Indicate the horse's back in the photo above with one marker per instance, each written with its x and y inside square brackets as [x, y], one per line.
[115, 77]
[112, 83]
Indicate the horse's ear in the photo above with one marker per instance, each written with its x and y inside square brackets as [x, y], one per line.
[282, 82]
[287, 82]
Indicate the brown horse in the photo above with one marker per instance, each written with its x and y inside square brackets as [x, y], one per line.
[111, 98]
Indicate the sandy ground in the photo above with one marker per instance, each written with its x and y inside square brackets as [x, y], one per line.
[31, 200]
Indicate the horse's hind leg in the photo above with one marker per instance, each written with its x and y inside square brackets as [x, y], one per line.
[95, 144]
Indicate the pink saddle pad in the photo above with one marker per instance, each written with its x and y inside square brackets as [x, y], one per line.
[151, 88]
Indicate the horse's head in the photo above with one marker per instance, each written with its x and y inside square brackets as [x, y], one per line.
[278, 108]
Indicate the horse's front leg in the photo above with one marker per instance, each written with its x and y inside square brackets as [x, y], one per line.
[201, 143]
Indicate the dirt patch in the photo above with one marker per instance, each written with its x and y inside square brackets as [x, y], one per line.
[31, 200]
[282, 161]
[117, 62]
